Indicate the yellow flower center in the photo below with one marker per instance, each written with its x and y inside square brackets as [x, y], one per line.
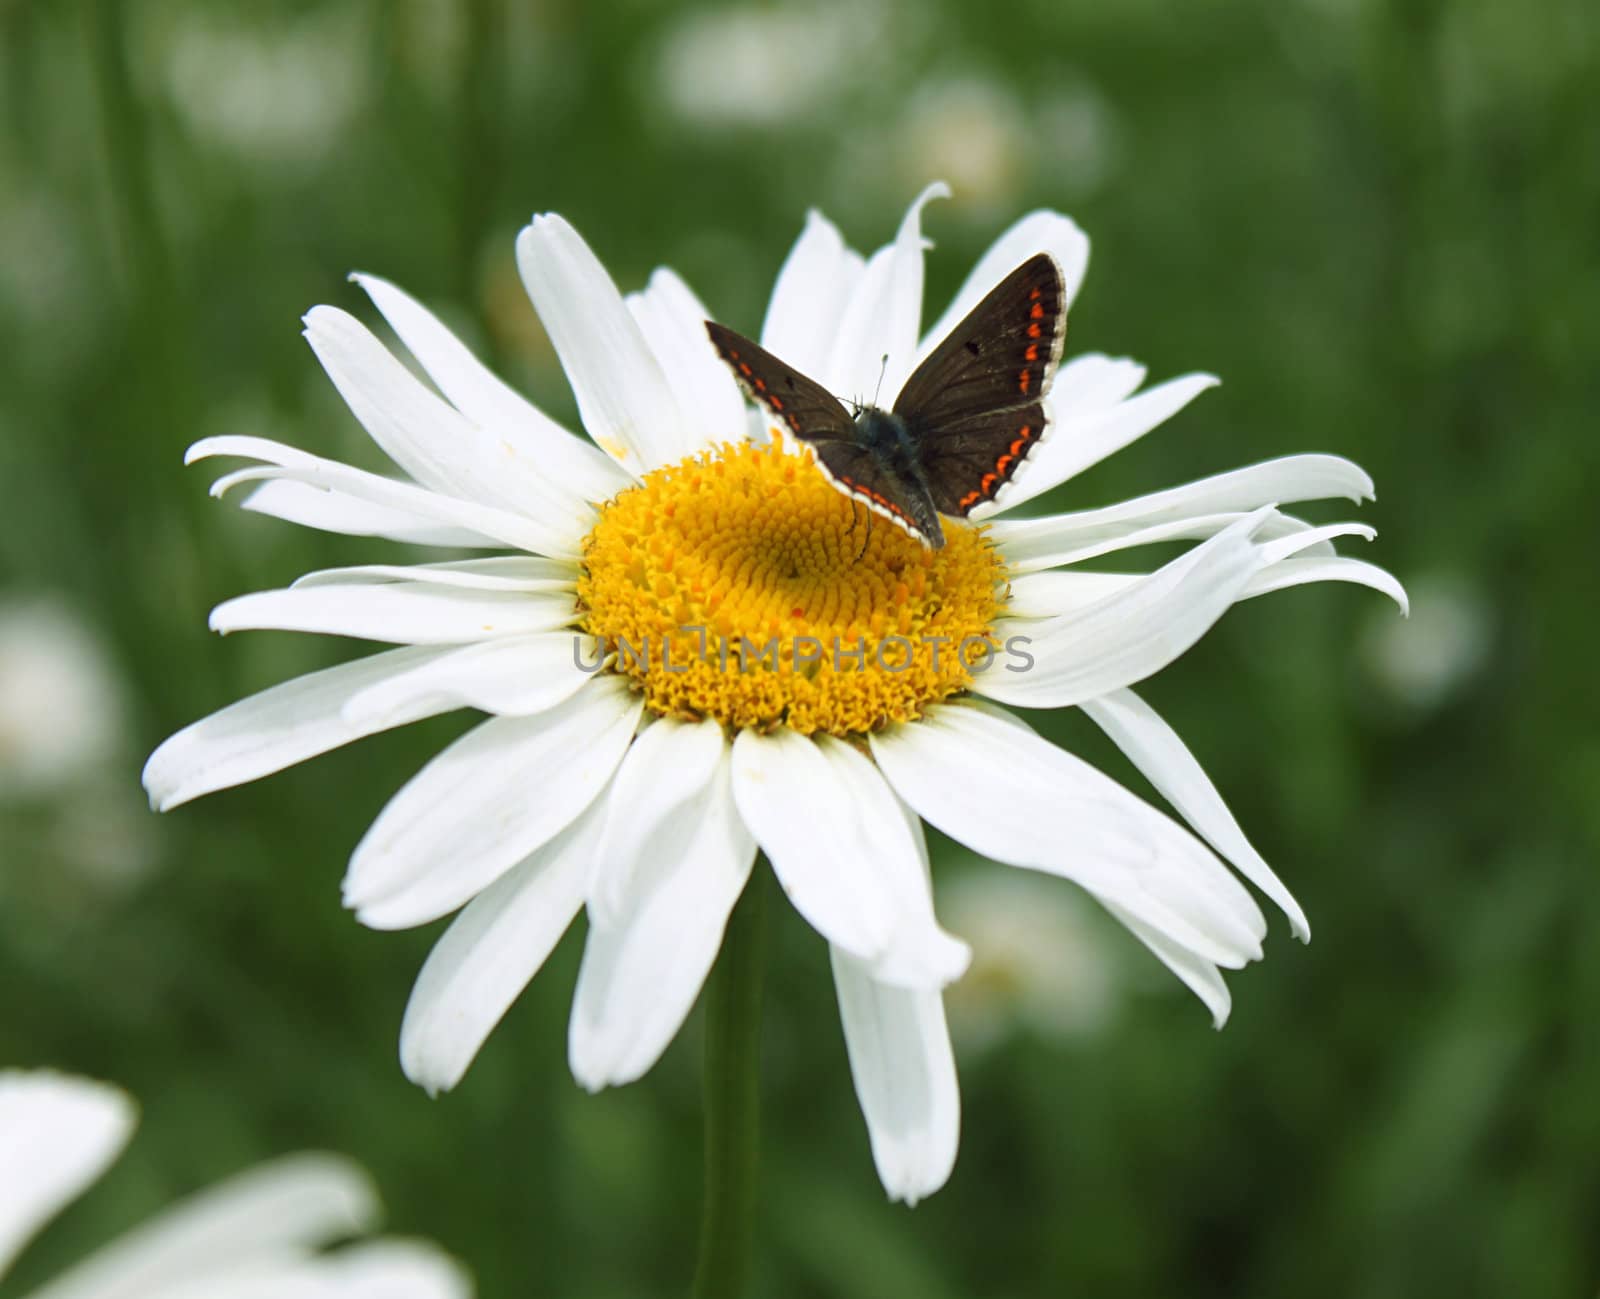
[740, 585]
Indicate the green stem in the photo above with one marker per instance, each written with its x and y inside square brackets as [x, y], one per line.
[732, 1097]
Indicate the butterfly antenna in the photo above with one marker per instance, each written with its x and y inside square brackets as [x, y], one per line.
[883, 368]
[866, 537]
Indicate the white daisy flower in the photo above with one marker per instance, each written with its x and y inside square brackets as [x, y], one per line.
[61, 707]
[641, 792]
[256, 1236]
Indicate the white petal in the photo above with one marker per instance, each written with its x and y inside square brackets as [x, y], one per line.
[271, 1214]
[1033, 543]
[499, 573]
[313, 1277]
[839, 843]
[485, 803]
[640, 979]
[402, 613]
[1199, 975]
[655, 802]
[57, 1135]
[1092, 383]
[1057, 539]
[905, 1078]
[279, 727]
[623, 397]
[1128, 635]
[1076, 442]
[854, 335]
[1155, 748]
[889, 842]
[1038, 232]
[510, 676]
[1278, 549]
[290, 1277]
[489, 953]
[809, 298]
[429, 438]
[570, 463]
[330, 511]
[883, 316]
[1085, 440]
[673, 322]
[384, 1269]
[990, 782]
[789, 798]
[1297, 572]
[1056, 591]
[291, 463]
[1052, 592]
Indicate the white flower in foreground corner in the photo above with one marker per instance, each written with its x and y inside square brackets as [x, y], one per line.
[642, 791]
[255, 1236]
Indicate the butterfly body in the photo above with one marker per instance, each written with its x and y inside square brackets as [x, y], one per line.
[961, 427]
[891, 444]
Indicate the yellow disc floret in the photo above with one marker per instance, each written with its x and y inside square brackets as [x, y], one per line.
[740, 585]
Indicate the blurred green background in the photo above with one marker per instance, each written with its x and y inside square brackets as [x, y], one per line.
[1380, 223]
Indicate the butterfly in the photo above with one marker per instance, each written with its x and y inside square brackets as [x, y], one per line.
[964, 423]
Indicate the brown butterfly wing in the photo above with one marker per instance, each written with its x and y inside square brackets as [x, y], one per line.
[974, 404]
[802, 405]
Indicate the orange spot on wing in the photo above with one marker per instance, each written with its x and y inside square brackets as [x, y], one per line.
[1038, 311]
[1025, 380]
[1033, 330]
[1032, 354]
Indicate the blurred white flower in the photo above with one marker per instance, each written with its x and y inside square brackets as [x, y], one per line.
[1040, 962]
[279, 94]
[101, 834]
[730, 69]
[258, 1235]
[1420, 662]
[970, 129]
[992, 143]
[61, 713]
[63, 735]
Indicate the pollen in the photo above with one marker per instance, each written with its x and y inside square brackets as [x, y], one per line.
[740, 585]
